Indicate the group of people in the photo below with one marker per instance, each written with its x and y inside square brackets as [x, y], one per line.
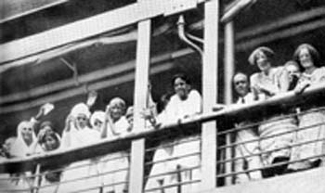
[83, 127]
[279, 139]
[267, 147]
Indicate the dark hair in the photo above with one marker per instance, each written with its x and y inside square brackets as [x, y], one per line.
[181, 76]
[164, 99]
[51, 134]
[312, 51]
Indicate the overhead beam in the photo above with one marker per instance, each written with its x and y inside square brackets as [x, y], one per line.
[248, 35]
[19, 8]
[83, 29]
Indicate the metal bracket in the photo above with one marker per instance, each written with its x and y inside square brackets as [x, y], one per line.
[177, 6]
[74, 69]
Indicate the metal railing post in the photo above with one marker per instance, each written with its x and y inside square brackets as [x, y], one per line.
[209, 92]
[228, 97]
[140, 101]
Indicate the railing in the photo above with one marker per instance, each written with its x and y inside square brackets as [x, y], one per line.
[172, 155]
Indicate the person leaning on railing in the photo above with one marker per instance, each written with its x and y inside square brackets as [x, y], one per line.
[115, 125]
[185, 103]
[162, 155]
[48, 141]
[26, 145]
[308, 58]
[77, 133]
[294, 73]
[250, 149]
[271, 81]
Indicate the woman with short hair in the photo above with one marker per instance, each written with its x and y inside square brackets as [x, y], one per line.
[312, 75]
[271, 81]
[115, 125]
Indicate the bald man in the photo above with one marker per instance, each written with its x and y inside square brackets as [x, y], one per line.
[241, 85]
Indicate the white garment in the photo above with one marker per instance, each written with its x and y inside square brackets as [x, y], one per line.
[177, 109]
[247, 149]
[19, 147]
[116, 161]
[77, 172]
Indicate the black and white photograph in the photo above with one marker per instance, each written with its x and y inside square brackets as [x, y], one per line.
[162, 96]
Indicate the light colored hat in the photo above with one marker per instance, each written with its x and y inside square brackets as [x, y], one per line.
[80, 109]
[99, 115]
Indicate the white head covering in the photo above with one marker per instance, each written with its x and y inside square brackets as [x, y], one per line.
[20, 148]
[79, 137]
[80, 109]
[97, 115]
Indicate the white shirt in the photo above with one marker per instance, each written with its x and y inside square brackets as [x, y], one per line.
[177, 108]
[247, 99]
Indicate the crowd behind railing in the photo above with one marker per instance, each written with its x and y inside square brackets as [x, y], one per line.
[276, 144]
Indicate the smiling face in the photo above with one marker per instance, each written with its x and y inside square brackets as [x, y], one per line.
[263, 61]
[241, 84]
[305, 58]
[116, 109]
[181, 88]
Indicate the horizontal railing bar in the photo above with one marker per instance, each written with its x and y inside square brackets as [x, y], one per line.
[172, 172]
[255, 124]
[174, 158]
[271, 166]
[172, 144]
[270, 136]
[113, 145]
[173, 185]
[99, 186]
[269, 151]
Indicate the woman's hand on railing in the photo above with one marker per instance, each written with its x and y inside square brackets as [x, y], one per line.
[301, 87]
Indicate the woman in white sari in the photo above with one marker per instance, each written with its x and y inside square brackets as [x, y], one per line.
[77, 133]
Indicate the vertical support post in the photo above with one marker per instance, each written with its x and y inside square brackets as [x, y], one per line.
[209, 90]
[229, 71]
[229, 61]
[140, 101]
[36, 183]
